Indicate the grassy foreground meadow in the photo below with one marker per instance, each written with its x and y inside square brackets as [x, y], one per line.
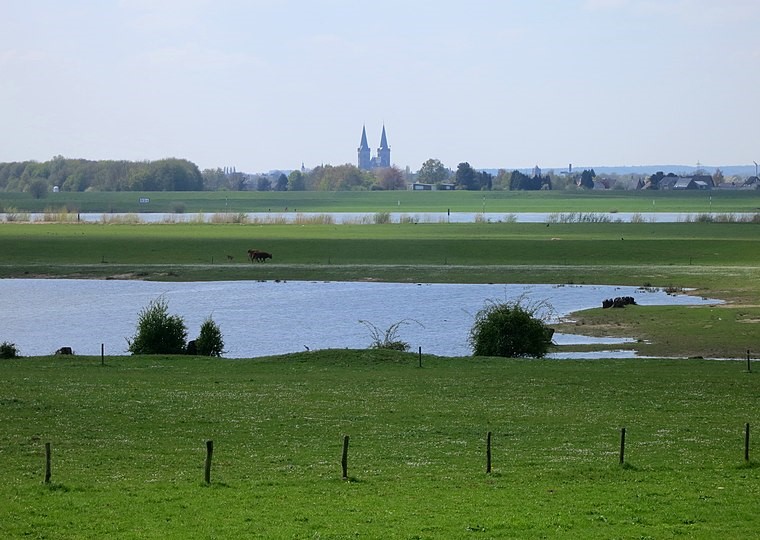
[128, 448]
[128, 438]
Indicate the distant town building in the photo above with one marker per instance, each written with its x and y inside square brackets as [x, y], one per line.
[383, 158]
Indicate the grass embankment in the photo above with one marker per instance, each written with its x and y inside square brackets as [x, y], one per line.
[390, 201]
[128, 443]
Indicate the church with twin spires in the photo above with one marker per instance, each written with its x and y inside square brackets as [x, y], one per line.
[383, 158]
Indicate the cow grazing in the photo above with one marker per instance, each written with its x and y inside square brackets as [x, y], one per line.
[261, 256]
[258, 256]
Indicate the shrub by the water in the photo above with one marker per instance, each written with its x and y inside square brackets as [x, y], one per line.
[158, 332]
[8, 350]
[388, 339]
[510, 329]
[210, 341]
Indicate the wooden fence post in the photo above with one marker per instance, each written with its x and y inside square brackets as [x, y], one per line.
[488, 453]
[344, 459]
[749, 366]
[746, 442]
[622, 446]
[47, 463]
[420, 356]
[209, 454]
[102, 354]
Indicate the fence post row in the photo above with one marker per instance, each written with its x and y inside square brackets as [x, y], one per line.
[344, 457]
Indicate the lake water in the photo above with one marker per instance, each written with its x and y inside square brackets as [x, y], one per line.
[395, 217]
[260, 318]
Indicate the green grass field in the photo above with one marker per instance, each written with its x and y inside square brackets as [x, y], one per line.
[391, 201]
[128, 438]
[128, 448]
[717, 258]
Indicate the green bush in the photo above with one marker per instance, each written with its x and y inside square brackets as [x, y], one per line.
[157, 331]
[510, 329]
[8, 350]
[210, 342]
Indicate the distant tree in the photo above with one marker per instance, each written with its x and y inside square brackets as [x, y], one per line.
[484, 180]
[502, 180]
[214, 179]
[282, 183]
[263, 184]
[654, 180]
[433, 172]
[237, 181]
[517, 180]
[38, 188]
[166, 175]
[296, 181]
[465, 177]
[339, 178]
[587, 179]
[389, 178]
[718, 177]
[58, 171]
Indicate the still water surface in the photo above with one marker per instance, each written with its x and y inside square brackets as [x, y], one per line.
[260, 318]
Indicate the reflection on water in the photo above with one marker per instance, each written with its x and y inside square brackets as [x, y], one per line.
[265, 318]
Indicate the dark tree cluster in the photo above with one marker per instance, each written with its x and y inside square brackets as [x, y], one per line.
[81, 175]
[468, 178]
[587, 179]
[522, 182]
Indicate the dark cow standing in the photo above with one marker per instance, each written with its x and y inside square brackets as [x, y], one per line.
[261, 256]
[258, 256]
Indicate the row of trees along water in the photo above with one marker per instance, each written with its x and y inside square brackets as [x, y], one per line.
[174, 174]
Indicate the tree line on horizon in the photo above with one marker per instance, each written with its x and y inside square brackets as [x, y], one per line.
[172, 174]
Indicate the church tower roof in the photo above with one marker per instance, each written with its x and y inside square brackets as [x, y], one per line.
[383, 140]
[363, 144]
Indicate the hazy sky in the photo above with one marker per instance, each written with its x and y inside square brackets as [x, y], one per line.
[267, 84]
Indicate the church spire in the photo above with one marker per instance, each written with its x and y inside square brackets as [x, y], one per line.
[364, 152]
[363, 144]
[384, 152]
[383, 140]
